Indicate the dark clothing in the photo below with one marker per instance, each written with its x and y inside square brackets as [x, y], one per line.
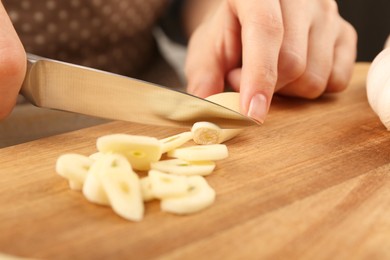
[115, 35]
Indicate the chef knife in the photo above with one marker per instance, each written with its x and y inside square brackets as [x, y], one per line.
[68, 87]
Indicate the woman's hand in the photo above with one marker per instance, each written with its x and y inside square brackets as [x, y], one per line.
[12, 64]
[298, 48]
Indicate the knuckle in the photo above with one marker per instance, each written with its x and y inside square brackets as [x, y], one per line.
[268, 76]
[315, 85]
[269, 23]
[291, 66]
[337, 84]
[339, 79]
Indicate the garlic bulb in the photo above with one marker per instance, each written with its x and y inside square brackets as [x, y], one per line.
[378, 86]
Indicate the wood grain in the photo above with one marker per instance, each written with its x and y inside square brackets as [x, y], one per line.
[312, 183]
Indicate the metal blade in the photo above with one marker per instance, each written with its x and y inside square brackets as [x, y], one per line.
[63, 86]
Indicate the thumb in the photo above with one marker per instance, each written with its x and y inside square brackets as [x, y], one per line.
[12, 64]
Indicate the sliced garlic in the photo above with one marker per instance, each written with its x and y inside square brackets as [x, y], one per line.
[211, 152]
[206, 133]
[209, 133]
[96, 156]
[199, 196]
[167, 185]
[93, 190]
[146, 189]
[73, 167]
[123, 190]
[139, 150]
[182, 167]
[175, 141]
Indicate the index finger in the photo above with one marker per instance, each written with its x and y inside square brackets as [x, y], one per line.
[262, 35]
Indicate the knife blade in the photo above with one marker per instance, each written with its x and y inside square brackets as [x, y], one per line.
[63, 86]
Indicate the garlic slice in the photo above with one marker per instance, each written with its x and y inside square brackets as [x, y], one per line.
[96, 156]
[210, 133]
[167, 185]
[206, 133]
[123, 189]
[139, 150]
[210, 152]
[175, 141]
[199, 196]
[93, 190]
[112, 182]
[182, 167]
[73, 167]
[146, 189]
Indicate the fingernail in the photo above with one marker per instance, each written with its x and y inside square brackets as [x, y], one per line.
[258, 108]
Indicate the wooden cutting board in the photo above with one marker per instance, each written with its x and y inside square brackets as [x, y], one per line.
[312, 183]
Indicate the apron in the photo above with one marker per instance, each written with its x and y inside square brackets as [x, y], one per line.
[111, 35]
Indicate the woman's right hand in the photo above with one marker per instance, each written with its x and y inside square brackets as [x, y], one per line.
[12, 64]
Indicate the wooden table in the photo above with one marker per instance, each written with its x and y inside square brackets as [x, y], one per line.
[312, 183]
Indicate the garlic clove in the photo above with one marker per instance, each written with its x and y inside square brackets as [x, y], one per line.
[198, 197]
[378, 86]
[139, 150]
[182, 167]
[209, 133]
[175, 141]
[206, 133]
[164, 185]
[230, 100]
[210, 152]
[74, 167]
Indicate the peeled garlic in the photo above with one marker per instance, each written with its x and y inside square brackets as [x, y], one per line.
[73, 167]
[175, 141]
[146, 189]
[182, 167]
[166, 185]
[199, 196]
[139, 150]
[230, 100]
[123, 189]
[206, 133]
[196, 153]
[93, 190]
[209, 133]
[378, 86]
